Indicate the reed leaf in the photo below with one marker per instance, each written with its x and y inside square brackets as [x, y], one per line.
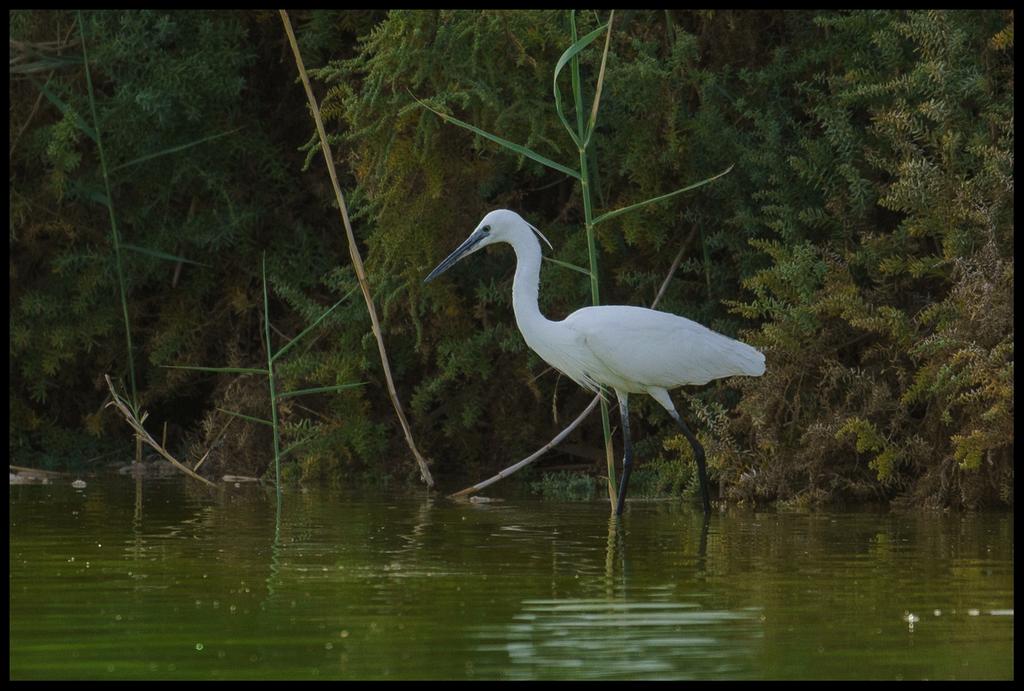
[323, 316]
[519, 149]
[229, 370]
[44, 64]
[250, 418]
[160, 255]
[633, 207]
[567, 265]
[569, 53]
[320, 389]
[577, 82]
[171, 150]
[600, 82]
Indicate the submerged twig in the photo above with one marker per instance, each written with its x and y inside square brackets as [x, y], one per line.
[144, 436]
[239, 478]
[37, 471]
[353, 249]
[534, 456]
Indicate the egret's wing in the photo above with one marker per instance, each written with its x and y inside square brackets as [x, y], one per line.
[572, 358]
[652, 348]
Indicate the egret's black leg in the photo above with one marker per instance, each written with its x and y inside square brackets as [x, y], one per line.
[698, 454]
[627, 458]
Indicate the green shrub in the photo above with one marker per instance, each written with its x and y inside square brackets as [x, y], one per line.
[564, 485]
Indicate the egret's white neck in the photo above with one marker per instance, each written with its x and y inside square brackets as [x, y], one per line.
[526, 286]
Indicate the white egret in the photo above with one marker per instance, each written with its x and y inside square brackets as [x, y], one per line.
[628, 349]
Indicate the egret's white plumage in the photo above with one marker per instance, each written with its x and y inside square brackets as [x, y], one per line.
[628, 349]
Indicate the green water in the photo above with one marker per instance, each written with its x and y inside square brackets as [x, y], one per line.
[176, 583]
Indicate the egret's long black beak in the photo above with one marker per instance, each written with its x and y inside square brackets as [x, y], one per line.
[465, 248]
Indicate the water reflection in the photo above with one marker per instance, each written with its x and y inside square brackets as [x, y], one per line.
[630, 639]
[640, 631]
[198, 585]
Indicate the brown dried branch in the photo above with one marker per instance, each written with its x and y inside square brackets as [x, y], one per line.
[353, 249]
[143, 435]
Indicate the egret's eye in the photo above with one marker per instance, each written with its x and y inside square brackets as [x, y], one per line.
[486, 229]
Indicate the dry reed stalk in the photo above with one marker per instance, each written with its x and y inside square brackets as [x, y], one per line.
[143, 436]
[353, 250]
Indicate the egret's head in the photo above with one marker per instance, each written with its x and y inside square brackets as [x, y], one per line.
[500, 225]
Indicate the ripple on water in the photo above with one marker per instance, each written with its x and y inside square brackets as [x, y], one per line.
[597, 638]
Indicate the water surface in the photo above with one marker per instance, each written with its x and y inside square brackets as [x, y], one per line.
[173, 582]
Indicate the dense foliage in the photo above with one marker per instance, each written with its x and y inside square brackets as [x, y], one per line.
[863, 241]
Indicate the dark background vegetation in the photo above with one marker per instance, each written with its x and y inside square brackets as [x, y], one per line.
[863, 241]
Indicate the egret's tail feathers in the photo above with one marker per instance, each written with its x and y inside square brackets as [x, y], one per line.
[733, 358]
[749, 360]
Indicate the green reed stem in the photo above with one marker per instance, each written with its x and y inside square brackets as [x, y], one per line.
[270, 381]
[114, 235]
[588, 215]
